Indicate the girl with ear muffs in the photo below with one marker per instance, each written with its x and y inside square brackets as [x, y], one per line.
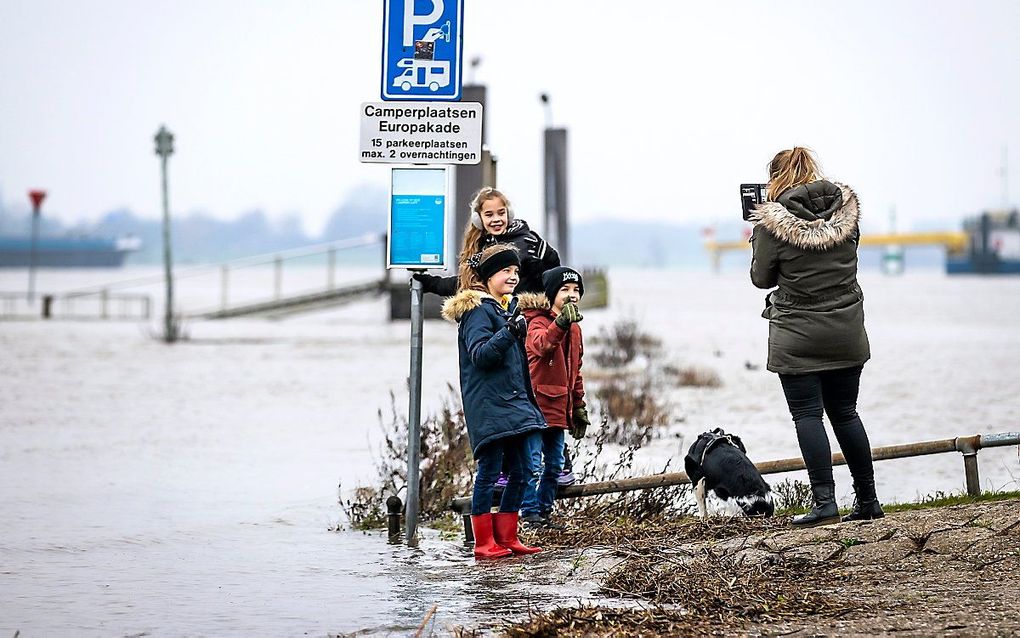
[492, 222]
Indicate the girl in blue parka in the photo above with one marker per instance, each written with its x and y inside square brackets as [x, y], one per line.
[499, 405]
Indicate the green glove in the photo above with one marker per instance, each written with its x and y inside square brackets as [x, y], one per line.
[581, 422]
[568, 315]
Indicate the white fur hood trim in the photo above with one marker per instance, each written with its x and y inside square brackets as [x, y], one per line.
[818, 234]
[463, 302]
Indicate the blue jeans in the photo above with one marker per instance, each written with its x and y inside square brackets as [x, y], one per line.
[833, 392]
[541, 489]
[509, 453]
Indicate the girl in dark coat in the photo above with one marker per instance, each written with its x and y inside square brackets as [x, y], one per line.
[499, 404]
[805, 245]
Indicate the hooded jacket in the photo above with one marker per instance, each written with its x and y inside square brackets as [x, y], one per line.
[554, 358]
[805, 245]
[536, 257]
[494, 382]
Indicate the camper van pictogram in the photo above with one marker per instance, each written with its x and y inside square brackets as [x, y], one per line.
[423, 70]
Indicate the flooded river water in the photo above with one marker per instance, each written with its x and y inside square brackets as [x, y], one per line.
[192, 490]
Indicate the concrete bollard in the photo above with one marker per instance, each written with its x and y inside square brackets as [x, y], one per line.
[394, 507]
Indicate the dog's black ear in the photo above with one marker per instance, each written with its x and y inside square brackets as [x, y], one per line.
[693, 467]
[694, 472]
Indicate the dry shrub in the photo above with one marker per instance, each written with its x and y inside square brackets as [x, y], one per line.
[693, 376]
[622, 343]
[793, 496]
[638, 506]
[365, 509]
[630, 409]
[445, 469]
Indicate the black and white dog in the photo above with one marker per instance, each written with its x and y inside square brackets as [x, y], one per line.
[718, 462]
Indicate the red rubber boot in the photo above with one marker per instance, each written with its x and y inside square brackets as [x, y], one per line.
[485, 546]
[505, 532]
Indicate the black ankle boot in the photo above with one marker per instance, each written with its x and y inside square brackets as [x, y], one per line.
[866, 505]
[549, 523]
[824, 512]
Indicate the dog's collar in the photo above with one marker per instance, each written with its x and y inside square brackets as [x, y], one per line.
[716, 438]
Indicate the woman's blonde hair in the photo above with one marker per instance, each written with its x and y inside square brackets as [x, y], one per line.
[472, 281]
[792, 168]
[473, 234]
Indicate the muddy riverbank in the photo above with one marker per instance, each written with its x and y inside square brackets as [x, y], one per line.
[949, 570]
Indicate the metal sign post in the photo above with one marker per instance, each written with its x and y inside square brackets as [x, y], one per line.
[37, 197]
[414, 415]
[421, 60]
[417, 241]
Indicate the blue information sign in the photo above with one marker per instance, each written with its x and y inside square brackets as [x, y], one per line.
[417, 218]
[421, 55]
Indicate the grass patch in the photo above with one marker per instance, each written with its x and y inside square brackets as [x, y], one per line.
[945, 499]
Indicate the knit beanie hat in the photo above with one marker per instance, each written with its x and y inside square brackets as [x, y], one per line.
[554, 278]
[496, 261]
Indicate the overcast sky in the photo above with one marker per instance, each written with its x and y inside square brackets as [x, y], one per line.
[669, 105]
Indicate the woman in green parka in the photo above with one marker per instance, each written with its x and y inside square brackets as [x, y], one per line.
[805, 246]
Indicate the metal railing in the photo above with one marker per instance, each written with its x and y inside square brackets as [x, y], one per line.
[968, 446]
[326, 251]
[101, 305]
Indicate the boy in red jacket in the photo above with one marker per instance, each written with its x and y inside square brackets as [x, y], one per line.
[555, 348]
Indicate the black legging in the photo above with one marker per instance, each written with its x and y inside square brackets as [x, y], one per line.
[835, 391]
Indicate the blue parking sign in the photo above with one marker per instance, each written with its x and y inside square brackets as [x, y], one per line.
[422, 47]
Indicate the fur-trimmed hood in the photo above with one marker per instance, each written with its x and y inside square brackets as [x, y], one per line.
[815, 216]
[533, 301]
[465, 301]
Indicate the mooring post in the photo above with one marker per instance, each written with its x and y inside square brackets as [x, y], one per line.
[277, 278]
[47, 306]
[331, 270]
[224, 286]
[393, 509]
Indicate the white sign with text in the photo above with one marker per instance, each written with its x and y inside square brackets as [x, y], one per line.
[421, 132]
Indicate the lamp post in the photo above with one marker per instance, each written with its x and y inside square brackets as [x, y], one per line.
[165, 148]
[37, 197]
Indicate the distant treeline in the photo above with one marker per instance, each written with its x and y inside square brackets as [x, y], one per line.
[200, 238]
